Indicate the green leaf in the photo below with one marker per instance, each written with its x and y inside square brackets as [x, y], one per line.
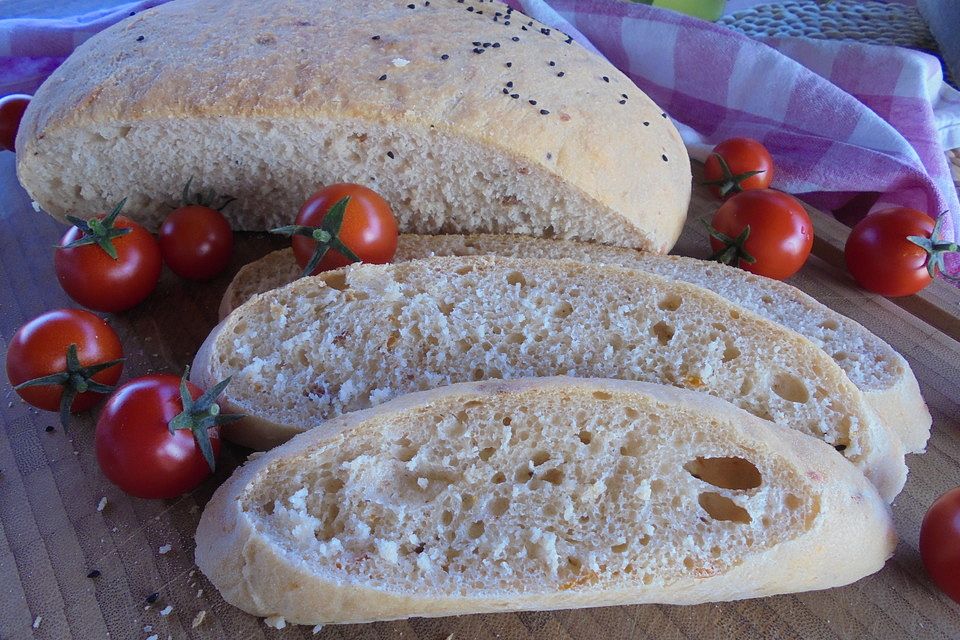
[333, 220]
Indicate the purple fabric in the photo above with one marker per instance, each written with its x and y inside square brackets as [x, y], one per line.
[851, 126]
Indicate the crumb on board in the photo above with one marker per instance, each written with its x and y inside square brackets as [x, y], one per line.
[199, 592]
[198, 619]
[153, 637]
[102, 504]
[165, 549]
[167, 610]
[37, 621]
[316, 629]
[276, 622]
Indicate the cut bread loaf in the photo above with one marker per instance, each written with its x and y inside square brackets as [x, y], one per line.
[351, 339]
[883, 375]
[537, 494]
[525, 132]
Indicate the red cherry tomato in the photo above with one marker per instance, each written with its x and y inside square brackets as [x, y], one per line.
[94, 279]
[196, 242]
[11, 113]
[780, 236]
[748, 166]
[39, 349]
[135, 448]
[369, 228]
[940, 543]
[881, 258]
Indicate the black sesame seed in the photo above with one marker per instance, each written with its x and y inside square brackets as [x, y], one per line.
[460, 1]
[383, 77]
[624, 96]
[515, 38]
[375, 38]
[496, 19]
[840, 447]
[507, 23]
[524, 27]
[390, 155]
[444, 57]
[496, 45]
[664, 156]
[569, 40]
[545, 31]
[509, 64]
[622, 101]
[427, 3]
[552, 63]
[646, 124]
[514, 95]
[498, 14]
[139, 38]
[510, 83]
[561, 74]
[478, 50]
[95, 573]
[606, 79]
[152, 597]
[49, 428]
[533, 102]
[476, 44]
[506, 92]
[544, 112]
[663, 115]
[411, 6]
[470, 9]
[486, 44]
[479, 13]
[530, 24]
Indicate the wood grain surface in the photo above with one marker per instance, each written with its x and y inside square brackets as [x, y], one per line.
[52, 534]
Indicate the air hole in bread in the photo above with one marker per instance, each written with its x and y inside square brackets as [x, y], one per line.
[516, 338]
[619, 548]
[393, 339]
[507, 421]
[516, 278]
[539, 457]
[563, 310]
[553, 476]
[523, 474]
[723, 508]
[336, 280]
[586, 437]
[240, 327]
[631, 413]
[267, 507]
[498, 478]
[830, 324]
[657, 486]
[688, 563]
[446, 308]
[485, 454]
[464, 270]
[734, 314]
[476, 530]
[746, 386]
[632, 448]
[719, 326]
[575, 564]
[725, 472]
[766, 299]
[670, 302]
[499, 506]
[478, 374]
[647, 578]
[790, 388]
[602, 395]
[446, 518]
[663, 331]
[730, 352]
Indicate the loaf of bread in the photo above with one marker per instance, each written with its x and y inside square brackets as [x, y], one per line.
[465, 116]
[351, 339]
[537, 494]
[882, 374]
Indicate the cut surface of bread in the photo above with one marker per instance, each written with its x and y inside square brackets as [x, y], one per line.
[525, 133]
[883, 375]
[537, 494]
[352, 339]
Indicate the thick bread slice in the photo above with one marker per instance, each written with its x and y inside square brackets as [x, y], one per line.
[882, 374]
[537, 494]
[351, 339]
[525, 132]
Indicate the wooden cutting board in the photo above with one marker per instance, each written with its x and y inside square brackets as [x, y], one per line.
[53, 533]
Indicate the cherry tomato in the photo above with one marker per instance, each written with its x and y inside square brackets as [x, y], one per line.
[96, 280]
[196, 242]
[780, 233]
[940, 543]
[369, 229]
[11, 113]
[135, 448]
[883, 260]
[39, 350]
[738, 164]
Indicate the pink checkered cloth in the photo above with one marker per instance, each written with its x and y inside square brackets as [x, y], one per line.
[851, 126]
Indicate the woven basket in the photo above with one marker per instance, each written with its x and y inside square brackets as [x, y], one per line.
[872, 22]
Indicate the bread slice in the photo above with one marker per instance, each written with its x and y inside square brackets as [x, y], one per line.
[525, 132]
[348, 340]
[537, 494]
[882, 374]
